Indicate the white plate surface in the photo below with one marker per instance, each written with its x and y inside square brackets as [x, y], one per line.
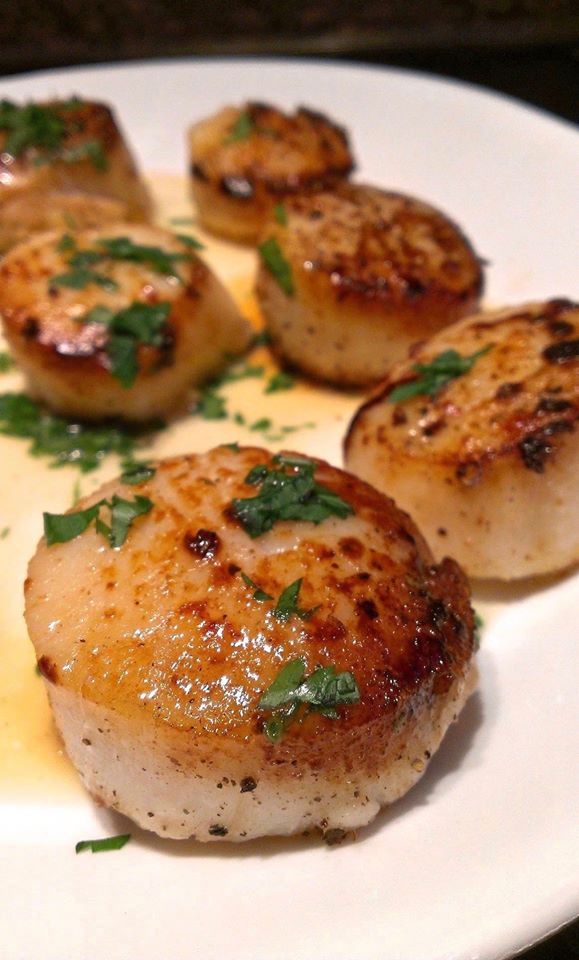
[480, 859]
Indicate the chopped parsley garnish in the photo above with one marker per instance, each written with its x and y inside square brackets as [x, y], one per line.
[244, 371]
[211, 406]
[81, 445]
[159, 260]
[30, 126]
[191, 242]
[241, 129]
[182, 221]
[287, 606]
[432, 377]
[85, 258]
[123, 514]
[135, 472]
[478, 625]
[279, 381]
[6, 362]
[62, 527]
[79, 277]
[45, 130]
[66, 243]
[4, 532]
[122, 353]
[76, 492]
[264, 423]
[119, 248]
[261, 339]
[141, 323]
[107, 843]
[274, 261]
[260, 595]
[323, 691]
[280, 214]
[293, 495]
[92, 150]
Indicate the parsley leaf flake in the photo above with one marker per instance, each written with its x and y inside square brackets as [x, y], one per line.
[60, 528]
[432, 377]
[323, 691]
[275, 261]
[82, 445]
[284, 495]
[106, 843]
[241, 129]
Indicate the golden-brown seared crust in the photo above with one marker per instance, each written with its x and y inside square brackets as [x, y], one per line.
[236, 182]
[180, 641]
[67, 361]
[380, 247]
[525, 400]
[373, 272]
[487, 465]
[41, 188]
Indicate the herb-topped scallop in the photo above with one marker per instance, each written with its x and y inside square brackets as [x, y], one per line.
[350, 278]
[64, 163]
[246, 159]
[237, 644]
[476, 436]
[118, 322]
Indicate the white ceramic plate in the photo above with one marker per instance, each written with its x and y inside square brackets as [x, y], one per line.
[480, 859]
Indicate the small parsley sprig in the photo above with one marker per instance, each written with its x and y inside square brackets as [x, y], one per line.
[322, 692]
[188, 241]
[287, 605]
[136, 472]
[160, 260]
[241, 129]
[30, 126]
[279, 381]
[211, 404]
[79, 277]
[478, 627]
[141, 323]
[275, 261]
[432, 377]
[103, 844]
[258, 594]
[287, 492]
[280, 214]
[81, 263]
[6, 362]
[62, 527]
[44, 129]
[67, 442]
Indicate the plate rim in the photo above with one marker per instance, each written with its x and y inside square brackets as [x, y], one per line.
[161, 64]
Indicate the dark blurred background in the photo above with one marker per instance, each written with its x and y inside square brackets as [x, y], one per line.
[527, 48]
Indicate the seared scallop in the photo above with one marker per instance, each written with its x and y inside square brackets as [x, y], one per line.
[270, 649]
[351, 278]
[246, 159]
[117, 322]
[62, 164]
[476, 436]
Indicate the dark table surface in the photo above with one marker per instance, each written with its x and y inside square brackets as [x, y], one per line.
[546, 76]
